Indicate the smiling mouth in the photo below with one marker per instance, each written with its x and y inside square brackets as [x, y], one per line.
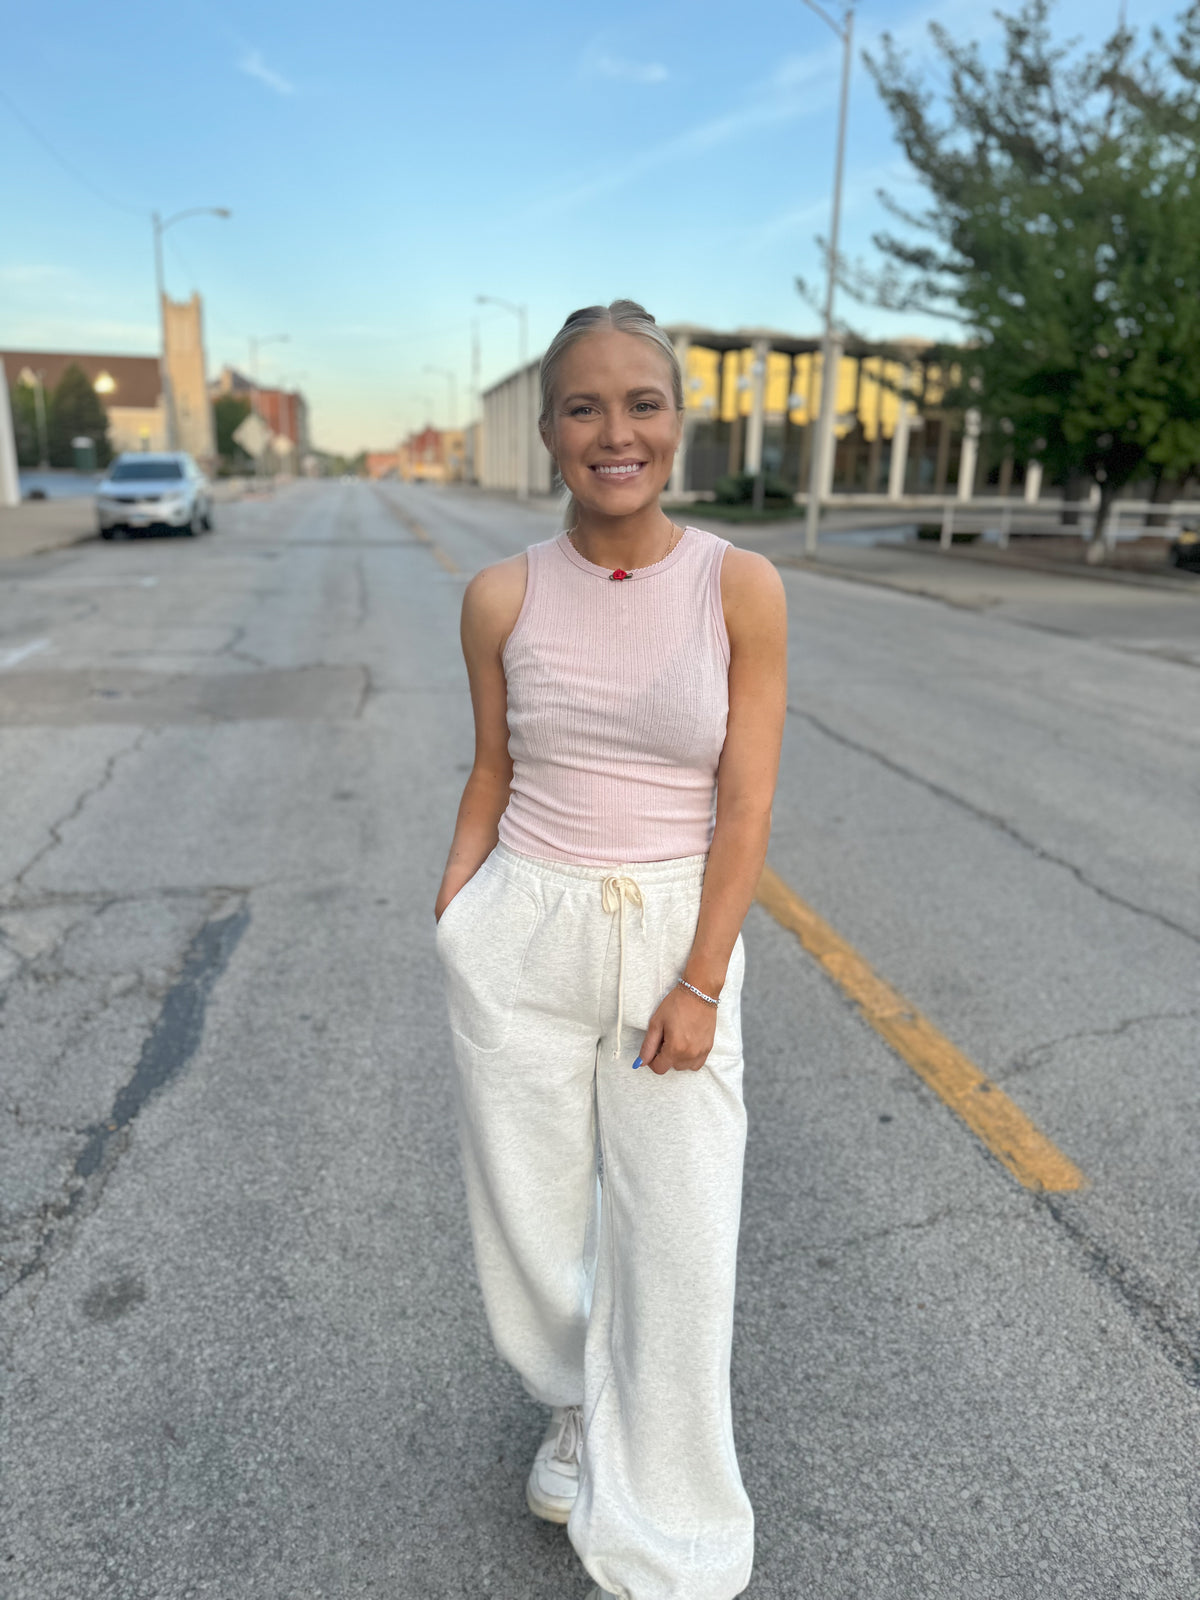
[625, 469]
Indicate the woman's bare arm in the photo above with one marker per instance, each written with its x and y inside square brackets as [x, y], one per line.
[491, 604]
[681, 1031]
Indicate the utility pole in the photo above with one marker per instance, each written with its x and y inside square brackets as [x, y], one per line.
[524, 428]
[821, 473]
[475, 417]
[452, 385]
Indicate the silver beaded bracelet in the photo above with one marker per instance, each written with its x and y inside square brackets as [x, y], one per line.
[695, 991]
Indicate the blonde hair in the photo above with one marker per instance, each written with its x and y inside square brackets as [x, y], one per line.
[622, 316]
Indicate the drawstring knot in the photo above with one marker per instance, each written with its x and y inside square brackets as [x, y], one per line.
[615, 890]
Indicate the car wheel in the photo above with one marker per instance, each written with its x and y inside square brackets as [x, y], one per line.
[107, 533]
[208, 517]
[196, 525]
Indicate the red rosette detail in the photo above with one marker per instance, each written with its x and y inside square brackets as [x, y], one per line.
[619, 573]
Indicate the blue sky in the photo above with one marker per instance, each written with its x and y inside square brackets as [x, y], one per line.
[385, 163]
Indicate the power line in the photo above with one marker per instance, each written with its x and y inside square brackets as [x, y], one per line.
[66, 165]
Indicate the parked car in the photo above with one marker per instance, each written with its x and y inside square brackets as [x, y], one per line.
[1185, 547]
[144, 490]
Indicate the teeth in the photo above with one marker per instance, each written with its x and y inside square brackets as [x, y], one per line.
[619, 472]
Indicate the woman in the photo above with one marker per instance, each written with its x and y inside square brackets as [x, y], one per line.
[628, 684]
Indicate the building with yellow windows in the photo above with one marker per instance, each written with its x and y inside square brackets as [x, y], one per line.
[751, 398]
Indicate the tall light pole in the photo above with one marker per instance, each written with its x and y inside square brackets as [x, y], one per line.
[524, 429]
[160, 227]
[821, 468]
[452, 384]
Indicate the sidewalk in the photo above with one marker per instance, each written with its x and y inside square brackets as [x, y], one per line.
[924, 568]
[37, 525]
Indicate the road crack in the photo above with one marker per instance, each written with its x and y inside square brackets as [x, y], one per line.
[1037, 1055]
[56, 828]
[993, 820]
[170, 1045]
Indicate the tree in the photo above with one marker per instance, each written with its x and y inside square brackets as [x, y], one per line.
[25, 424]
[1063, 237]
[77, 411]
[229, 412]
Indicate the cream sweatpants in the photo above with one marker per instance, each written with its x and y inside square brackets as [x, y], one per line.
[604, 1200]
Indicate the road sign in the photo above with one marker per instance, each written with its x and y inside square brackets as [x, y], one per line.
[252, 434]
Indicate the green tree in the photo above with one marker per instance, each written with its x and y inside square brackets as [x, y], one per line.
[1063, 237]
[25, 423]
[229, 412]
[77, 411]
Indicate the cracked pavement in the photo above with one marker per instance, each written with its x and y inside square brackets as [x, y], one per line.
[243, 1351]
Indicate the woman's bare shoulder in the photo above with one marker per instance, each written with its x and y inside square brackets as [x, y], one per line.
[752, 593]
[493, 598]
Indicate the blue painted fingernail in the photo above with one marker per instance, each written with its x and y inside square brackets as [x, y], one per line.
[637, 1063]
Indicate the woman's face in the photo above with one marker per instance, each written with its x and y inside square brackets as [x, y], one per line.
[614, 429]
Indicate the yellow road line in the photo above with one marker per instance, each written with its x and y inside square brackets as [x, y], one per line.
[987, 1110]
[446, 562]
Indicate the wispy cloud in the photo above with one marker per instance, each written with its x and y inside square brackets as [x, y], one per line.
[799, 86]
[253, 65]
[602, 65]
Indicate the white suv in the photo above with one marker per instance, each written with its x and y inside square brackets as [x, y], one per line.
[141, 490]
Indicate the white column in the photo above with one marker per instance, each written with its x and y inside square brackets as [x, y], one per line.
[969, 458]
[524, 409]
[898, 466]
[1033, 481]
[10, 483]
[678, 484]
[758, 407]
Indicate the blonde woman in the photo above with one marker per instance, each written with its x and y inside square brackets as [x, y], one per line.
[628, 684]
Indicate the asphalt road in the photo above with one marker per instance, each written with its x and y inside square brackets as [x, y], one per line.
[243, 1351]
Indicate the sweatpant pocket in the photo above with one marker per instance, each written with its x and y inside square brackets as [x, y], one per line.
[483, 952]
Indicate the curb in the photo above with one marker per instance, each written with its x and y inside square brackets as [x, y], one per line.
[1137, 580]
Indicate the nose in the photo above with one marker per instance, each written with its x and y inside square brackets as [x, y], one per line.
[617, 431]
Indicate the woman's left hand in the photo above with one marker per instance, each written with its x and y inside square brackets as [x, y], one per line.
[680, 1034]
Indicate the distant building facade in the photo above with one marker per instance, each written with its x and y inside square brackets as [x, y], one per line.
[187, 387]
[382, 464]
[285, 411]
[434, 455]
[751, 397]
[131, 386]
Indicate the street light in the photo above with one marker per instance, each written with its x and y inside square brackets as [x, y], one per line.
[445, 372]
[524, 429]
[160, 227]
[820, 479]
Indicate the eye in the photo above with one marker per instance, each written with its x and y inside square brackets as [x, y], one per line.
[646, 405]
[578, 411]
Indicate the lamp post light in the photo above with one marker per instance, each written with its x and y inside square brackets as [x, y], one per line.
[160, 227]
[452, 384]
[821, 470]
[524, 428]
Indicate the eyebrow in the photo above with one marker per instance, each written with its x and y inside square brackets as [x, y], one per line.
[648, 388]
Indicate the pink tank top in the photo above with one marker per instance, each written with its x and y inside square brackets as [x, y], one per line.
[618, 695]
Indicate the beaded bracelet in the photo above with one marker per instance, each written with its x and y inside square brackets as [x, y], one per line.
[695, 991]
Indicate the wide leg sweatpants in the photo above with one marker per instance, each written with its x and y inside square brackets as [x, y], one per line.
[617, 1294]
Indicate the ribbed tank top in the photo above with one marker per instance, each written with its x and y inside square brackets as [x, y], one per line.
[618, 696]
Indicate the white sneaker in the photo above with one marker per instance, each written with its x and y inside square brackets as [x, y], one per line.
[554, 1477]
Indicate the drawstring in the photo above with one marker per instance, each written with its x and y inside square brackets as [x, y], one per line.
[614, 891]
